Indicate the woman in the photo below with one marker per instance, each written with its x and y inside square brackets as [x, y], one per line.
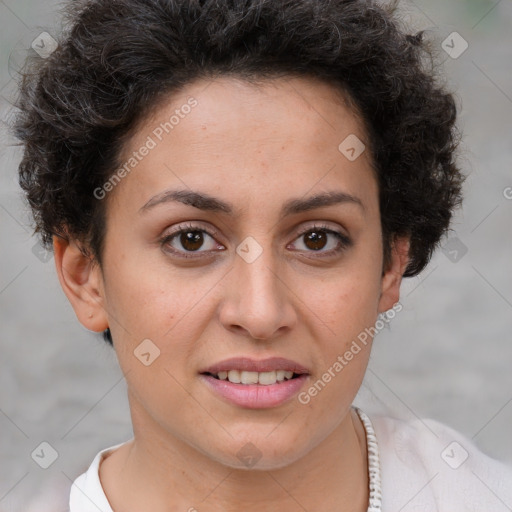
[234, 191]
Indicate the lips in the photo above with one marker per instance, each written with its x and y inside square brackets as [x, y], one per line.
[254, 384]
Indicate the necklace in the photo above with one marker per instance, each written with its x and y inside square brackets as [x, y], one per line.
[374, 504]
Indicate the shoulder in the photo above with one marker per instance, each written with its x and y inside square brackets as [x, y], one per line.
[86, 492]
[428, 466]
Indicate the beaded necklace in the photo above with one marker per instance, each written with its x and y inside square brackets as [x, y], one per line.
[374, 504]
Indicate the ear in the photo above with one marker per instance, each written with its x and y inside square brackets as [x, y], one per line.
[392, 276]
[82, 282]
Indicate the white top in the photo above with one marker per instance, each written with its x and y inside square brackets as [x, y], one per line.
[425, 466]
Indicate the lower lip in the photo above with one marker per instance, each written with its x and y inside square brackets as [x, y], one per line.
[256, 396]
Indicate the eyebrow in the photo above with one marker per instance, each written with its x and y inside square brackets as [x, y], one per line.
[206, 202]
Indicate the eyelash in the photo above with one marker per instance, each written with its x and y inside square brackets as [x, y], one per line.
[344, 241]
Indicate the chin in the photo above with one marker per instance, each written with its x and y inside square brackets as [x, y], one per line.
[259, 454]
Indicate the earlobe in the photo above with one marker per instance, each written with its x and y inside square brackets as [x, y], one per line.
[392, 277]
[82, 283]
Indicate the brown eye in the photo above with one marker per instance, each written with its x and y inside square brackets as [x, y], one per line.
[323, 240]
[315, 240]
[190, 239]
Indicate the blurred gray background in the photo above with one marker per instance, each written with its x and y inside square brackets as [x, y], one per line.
[447, 354]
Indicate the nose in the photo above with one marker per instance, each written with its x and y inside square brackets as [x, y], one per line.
[257, 300]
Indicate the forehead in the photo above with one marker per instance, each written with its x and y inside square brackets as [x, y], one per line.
[284, 107]
[227, 133]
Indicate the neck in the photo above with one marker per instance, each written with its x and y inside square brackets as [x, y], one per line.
[161, 473]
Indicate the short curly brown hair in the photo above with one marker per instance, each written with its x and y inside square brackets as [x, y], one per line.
[116, 59]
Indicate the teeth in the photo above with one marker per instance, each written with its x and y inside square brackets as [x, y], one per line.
[267, 378]
[234, 376]
[248, 377]
[264, 378]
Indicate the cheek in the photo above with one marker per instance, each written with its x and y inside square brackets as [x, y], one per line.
[143, 306]
[154, 324]
[172, 310]
[346, 302]
[140, 286]
[147, 301]
[347, 312]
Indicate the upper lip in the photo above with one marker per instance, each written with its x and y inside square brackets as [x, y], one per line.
[253, 365]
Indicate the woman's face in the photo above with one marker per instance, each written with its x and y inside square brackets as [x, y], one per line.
[261, 271]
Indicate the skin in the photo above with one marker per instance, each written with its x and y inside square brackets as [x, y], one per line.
[255, 147]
